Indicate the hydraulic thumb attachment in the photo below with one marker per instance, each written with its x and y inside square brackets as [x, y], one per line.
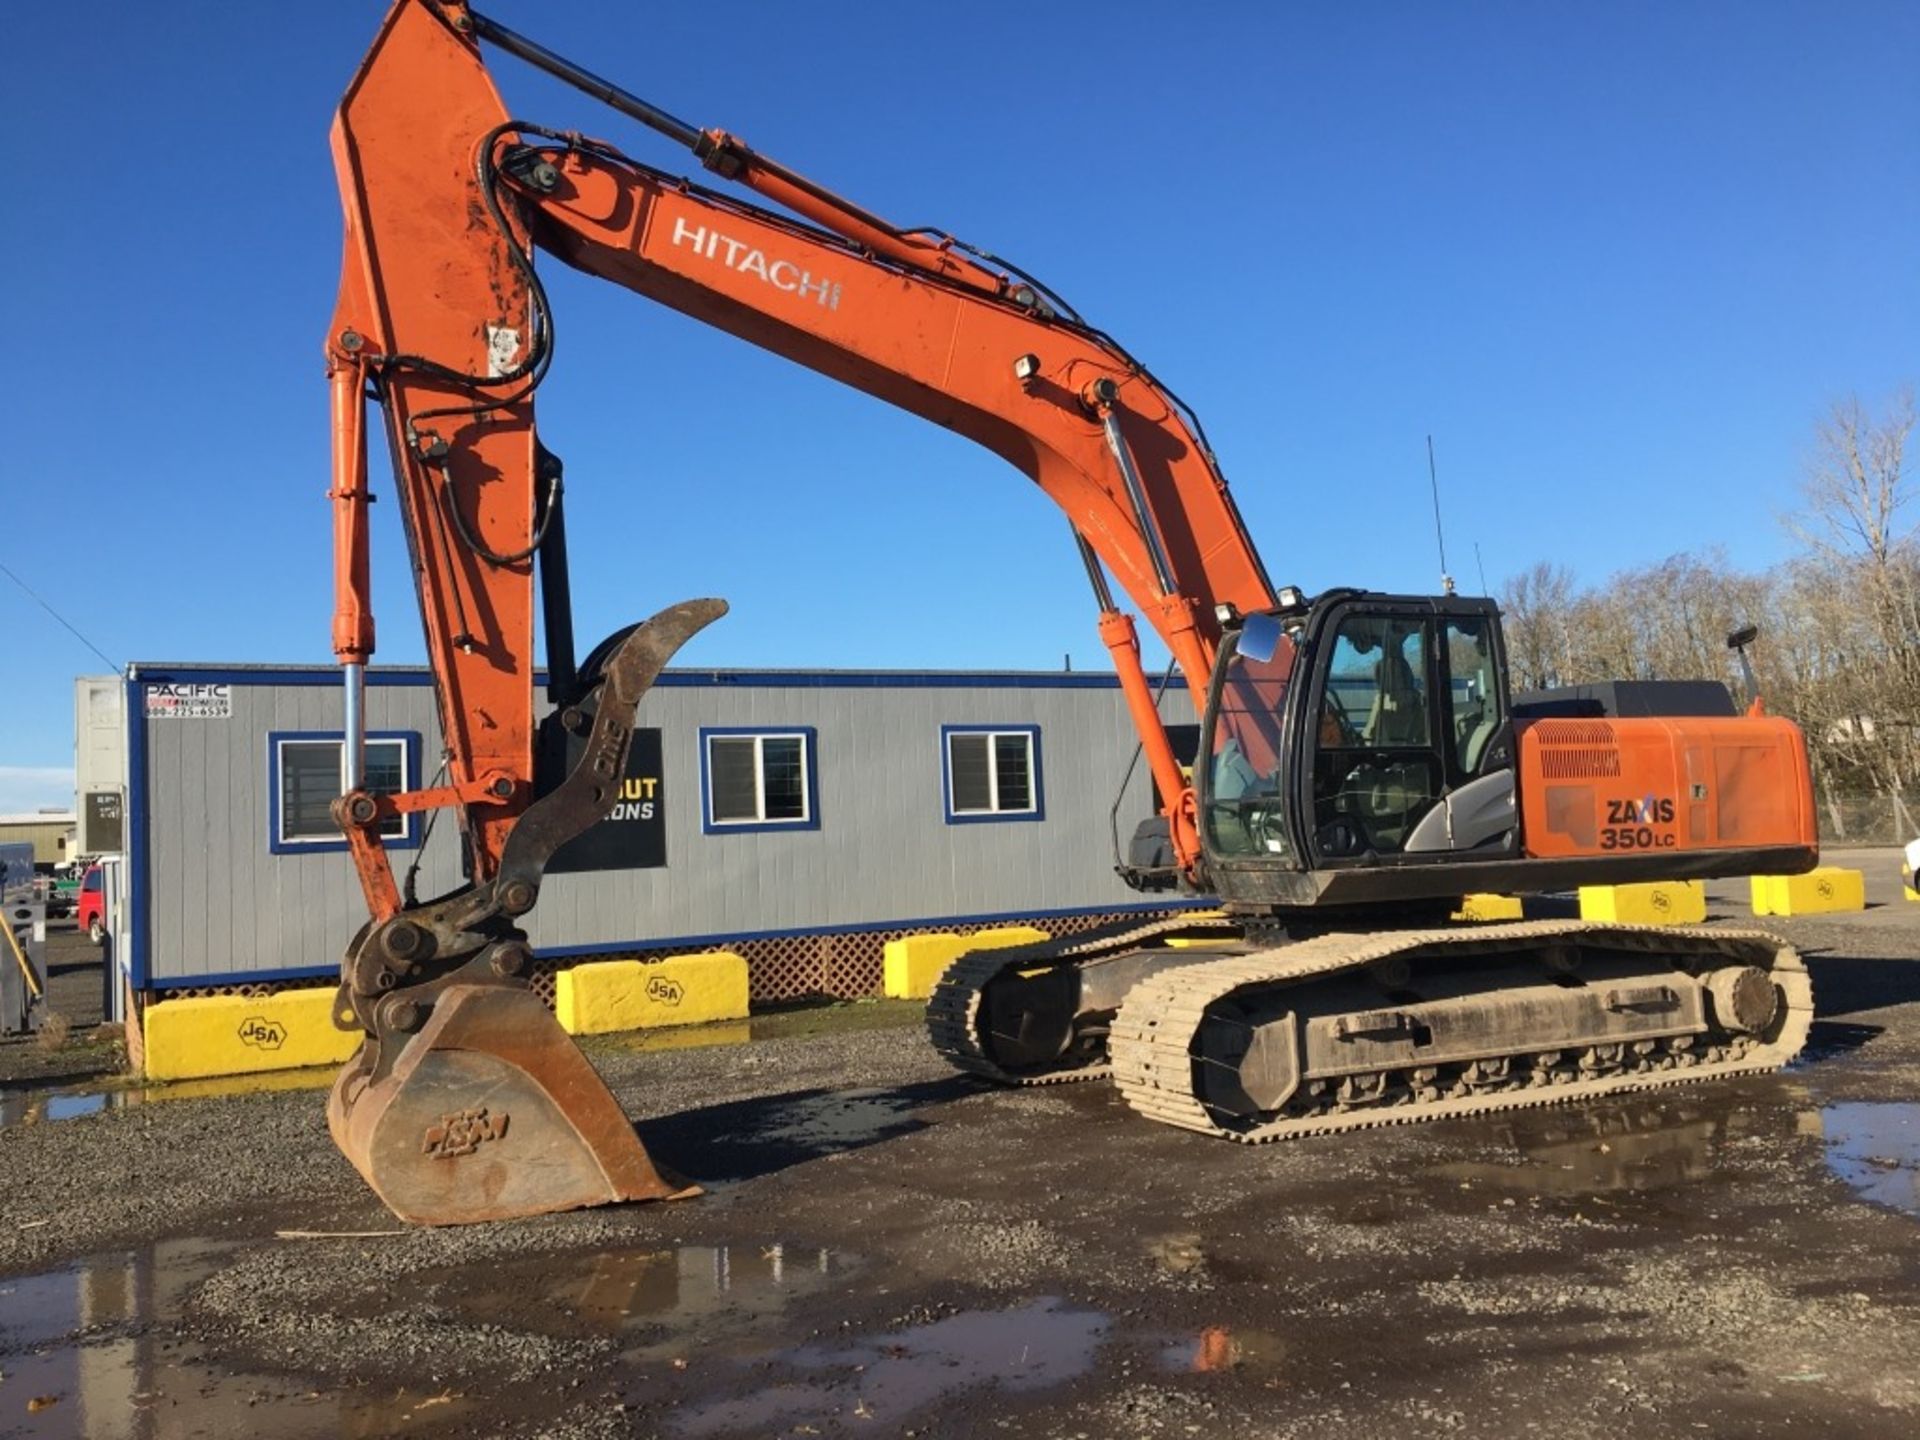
[467, 1101]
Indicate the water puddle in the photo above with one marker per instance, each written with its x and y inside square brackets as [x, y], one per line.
[1220, 1348]
[34, 1107]
[1875, 1147]
[83, 1359]
[1650, 1146]
[31, 1107]
[881, 1380]
[621, 1291]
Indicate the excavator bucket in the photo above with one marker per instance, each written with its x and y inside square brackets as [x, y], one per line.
[491, 1112]
[466, 1100]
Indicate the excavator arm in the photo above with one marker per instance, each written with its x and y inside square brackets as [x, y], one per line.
[443, 321]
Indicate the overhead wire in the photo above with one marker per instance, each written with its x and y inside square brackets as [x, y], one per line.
[70, 627]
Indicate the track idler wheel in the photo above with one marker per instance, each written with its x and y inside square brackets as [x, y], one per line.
[490, 1112]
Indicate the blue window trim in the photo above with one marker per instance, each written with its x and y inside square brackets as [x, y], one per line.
[809, 737]
[996, 817]
[275, 845]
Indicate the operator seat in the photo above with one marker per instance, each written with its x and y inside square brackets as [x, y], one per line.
[1398, 716]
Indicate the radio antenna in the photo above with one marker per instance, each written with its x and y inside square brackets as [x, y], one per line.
[1439, 536]
[1482, 567]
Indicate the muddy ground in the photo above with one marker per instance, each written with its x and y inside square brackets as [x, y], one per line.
[885, 1249]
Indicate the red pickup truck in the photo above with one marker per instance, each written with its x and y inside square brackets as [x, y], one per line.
[91, 911]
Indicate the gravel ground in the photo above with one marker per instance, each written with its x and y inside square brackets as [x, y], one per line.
[887, 1249]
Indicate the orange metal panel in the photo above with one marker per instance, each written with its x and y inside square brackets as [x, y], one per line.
[937, 349]
[1647, 785]
[427, 274]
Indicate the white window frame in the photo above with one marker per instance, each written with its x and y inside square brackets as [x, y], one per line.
[1034, 809]
[402, 832]
[808, 819]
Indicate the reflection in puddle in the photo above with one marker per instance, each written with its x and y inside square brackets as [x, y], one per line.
[82, 1356]
[31, 1107]
[1221, 1347]
[1590, 1151]
[883, 1379]
[612, 1291]
[1875, 1147]
[61, 1107]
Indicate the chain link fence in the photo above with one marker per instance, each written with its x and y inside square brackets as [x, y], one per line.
[1853, 819]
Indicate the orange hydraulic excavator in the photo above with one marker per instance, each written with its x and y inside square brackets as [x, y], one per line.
[1363, 764]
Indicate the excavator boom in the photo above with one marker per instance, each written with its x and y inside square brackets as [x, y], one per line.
[443, 321]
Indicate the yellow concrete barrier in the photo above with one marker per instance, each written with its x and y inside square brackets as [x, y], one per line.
[1485, 909]
[232, 1035]
[1198, 942]
[912, 966]
[1818, 892]
[1661, 902]
[607, 995]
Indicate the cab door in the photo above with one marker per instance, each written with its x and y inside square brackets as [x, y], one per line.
[1478, 812]
[1409, 756]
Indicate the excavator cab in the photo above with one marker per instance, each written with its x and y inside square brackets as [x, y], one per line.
[1356, 732]
[1364, 754]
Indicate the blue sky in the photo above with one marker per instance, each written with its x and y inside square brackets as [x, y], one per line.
[1616, 259]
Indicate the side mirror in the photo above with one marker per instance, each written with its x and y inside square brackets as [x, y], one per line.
[1260, 638]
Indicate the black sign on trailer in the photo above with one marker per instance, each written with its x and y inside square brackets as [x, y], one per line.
[634, 836]
[100, 828]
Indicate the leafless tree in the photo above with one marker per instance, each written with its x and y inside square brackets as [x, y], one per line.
[1856, 483]
[1537, 610]
[1840, 621]
[1860, 576]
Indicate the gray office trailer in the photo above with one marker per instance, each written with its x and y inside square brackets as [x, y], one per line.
[799, 818]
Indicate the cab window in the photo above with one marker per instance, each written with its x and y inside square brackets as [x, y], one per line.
[1245, 812]
[1377, 768]
[1473, 697]
[1379, 668]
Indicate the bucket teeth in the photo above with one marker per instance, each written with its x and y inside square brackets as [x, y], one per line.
[490, 1112]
